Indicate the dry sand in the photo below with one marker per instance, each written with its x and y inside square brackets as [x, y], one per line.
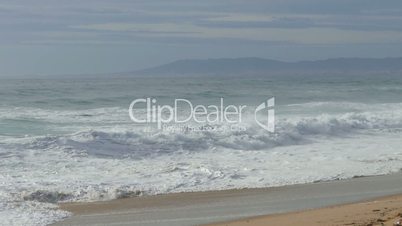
[198, 208]
[384, 211]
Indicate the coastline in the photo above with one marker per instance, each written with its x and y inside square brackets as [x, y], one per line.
[385, 211]
[198, 208]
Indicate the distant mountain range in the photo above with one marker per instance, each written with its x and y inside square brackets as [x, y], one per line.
[253, 65]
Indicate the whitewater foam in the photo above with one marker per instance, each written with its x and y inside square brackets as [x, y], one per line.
[75, 141]
[112, 163]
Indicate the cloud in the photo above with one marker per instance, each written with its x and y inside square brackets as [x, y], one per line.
[293, 35]
[294, 21]
[168, 30]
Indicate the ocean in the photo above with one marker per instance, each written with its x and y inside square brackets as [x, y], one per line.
[72, 139]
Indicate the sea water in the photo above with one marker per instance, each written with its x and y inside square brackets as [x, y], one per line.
[72, 139]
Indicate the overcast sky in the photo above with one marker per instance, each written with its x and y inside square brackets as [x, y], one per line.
[94, 36]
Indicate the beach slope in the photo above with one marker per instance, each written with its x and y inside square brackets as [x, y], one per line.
[218, 206]
[381, 211]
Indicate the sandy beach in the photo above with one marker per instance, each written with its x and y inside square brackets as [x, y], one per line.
[382, 211]
[307, 204]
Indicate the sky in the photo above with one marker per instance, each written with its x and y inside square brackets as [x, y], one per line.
[49, 37]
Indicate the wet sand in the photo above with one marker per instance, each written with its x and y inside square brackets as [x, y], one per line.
[382, 211]
[197, 208]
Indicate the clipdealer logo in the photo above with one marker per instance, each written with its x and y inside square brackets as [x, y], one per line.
[184, 111]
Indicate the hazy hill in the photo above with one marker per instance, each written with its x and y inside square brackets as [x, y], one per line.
[253, 65]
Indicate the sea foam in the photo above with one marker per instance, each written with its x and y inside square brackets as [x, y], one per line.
[110, 163]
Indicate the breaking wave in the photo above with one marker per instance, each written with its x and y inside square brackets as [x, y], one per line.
[119, 160]
[137, 144]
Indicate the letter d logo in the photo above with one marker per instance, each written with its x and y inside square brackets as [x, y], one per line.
[270, 112]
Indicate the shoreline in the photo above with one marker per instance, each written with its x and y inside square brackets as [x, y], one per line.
[201, 208]
[385, 211]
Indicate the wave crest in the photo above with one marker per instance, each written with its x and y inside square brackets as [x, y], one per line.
[289, 132]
